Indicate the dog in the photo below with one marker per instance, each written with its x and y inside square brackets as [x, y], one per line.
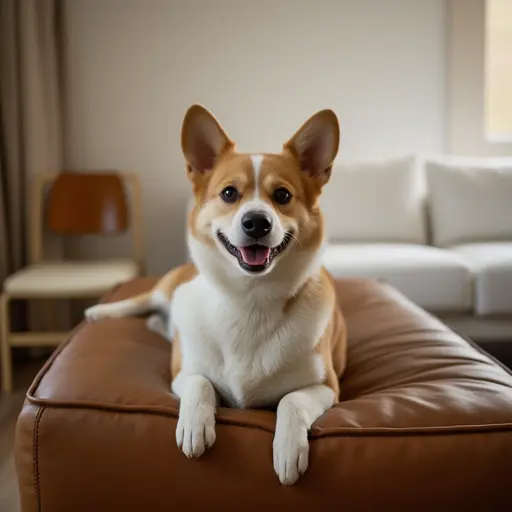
[254, 320]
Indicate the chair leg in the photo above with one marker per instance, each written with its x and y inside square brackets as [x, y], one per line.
[5, 346]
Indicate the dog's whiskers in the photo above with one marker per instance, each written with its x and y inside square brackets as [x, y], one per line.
[297, 240]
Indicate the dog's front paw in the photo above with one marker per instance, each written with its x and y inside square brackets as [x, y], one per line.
[291, 451]
[98, 312]
[104, 311]
[196, 430]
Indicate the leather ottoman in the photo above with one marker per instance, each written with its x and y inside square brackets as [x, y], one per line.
[425, 424]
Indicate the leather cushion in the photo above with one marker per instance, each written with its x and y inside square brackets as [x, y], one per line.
[425, 422]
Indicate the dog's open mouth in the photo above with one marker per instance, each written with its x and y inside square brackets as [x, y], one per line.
[255, 257]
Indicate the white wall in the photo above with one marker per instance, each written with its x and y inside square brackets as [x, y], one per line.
[262, 68]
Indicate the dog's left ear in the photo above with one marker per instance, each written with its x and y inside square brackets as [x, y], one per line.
[316, 144]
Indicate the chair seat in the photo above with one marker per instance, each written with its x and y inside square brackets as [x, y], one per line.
[68, 279]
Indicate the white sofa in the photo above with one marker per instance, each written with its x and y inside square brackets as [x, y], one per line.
[439, 230]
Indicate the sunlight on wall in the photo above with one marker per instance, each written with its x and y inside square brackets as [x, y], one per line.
[498, 91]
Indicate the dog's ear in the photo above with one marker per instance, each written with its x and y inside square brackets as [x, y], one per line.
[202, 139]
[316, 143]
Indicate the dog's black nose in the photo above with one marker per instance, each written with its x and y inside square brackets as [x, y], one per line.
[256, 225]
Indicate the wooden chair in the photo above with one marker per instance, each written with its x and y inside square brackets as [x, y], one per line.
[77, 204]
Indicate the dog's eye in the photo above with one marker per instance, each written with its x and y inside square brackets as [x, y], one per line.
[282, 195]
[229, 194]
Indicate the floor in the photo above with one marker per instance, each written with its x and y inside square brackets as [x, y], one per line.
[9, 409]
[501, 350]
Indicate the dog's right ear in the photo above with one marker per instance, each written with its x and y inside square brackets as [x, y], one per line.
[203, 140]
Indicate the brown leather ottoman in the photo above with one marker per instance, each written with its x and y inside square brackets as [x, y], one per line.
[425, 424]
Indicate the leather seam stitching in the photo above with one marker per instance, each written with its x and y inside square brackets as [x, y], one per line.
[319, 432]
[35, 456]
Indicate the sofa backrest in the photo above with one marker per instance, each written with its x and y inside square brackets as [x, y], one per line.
[470, 200]
[376, 202]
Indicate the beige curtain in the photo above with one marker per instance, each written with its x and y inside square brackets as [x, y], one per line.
[30, 115]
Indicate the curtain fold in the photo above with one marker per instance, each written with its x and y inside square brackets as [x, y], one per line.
[31, 114]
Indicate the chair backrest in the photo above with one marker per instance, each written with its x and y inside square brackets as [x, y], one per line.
[84, 204]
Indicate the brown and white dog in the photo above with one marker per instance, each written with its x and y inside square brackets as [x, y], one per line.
[254, 322]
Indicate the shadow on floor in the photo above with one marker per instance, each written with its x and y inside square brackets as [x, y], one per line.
[501, 350]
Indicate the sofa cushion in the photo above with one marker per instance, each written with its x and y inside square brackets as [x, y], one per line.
[425, 423]
[436, 279]
[492, 265]
[470, 202]
[375, 201]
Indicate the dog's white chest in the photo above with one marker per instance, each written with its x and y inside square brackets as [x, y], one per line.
[253, 356]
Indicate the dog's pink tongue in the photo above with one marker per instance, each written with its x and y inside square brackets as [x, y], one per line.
[255, 254]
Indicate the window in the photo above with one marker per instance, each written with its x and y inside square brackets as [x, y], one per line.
[498, 70]
[479, 75]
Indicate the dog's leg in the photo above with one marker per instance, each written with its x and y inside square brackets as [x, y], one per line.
[134, 306]
[196, 423]
[296, 413]
[154, 300]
